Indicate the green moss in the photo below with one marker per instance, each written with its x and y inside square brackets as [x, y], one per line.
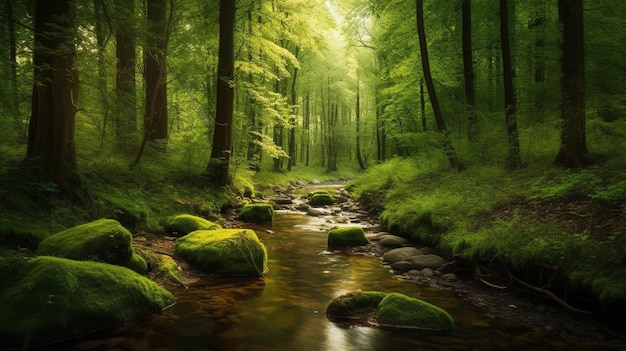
[104, 240]
[321, 198]
[167, 271]
[224, 251]
[354, 305]
[47, 299]
[185, 223]
[137, 264]
[344, 237]
[262, 212]
[398, 310]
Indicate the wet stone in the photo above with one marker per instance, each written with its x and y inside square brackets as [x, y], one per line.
[449, 277]
[401, 254]
[426, 261]
[428, 272]
[393, 241]
[402, 266]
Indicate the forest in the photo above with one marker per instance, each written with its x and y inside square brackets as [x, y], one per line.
[494, 131]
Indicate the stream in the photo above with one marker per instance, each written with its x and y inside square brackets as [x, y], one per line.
[285, 309]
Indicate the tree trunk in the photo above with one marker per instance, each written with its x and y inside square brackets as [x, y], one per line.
[573, 150]
[473, 130]
[510, 105]
[51, 146]
[359, 157]
[434, 101]
[125, 87]
[291, 145]
[155, 119]
[218, 167]
[306, 127]
[422, 105]
[101, 42]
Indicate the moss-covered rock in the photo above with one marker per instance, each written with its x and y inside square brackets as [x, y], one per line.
[393, 310]
[185, 223]
[400, 311]
[354, 306]
[48, 299]
[321, 199]
[104, 240]
[262, 212]
[224, 251]
[345, 237]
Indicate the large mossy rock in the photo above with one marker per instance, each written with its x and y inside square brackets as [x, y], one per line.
[346, 237]
[224, 251]
[400, 311]
[321, 198]
[104, 240]
[393, 310]
[48, 299]
[185, 223]
[257, 213]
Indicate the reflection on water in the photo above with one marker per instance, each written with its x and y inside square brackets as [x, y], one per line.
[285, 310]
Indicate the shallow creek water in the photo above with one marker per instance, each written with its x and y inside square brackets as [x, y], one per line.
[285, 309]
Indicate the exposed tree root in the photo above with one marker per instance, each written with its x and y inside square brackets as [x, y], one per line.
[479, 275]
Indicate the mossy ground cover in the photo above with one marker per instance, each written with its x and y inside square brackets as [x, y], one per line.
[47, 299]
[571, 221]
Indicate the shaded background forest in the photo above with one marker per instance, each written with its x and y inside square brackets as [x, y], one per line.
[307, 75]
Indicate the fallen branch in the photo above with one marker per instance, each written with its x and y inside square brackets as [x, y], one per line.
[479, 275]
[548, 293]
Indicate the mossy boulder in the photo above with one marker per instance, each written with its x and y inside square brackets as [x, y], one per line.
[346, 237]
[262, 212]
[224, 251]
[389, 310]
[400, 311]
[322, 198]
[48, 299]
[357, 306]
[104, 240]
[185, 223]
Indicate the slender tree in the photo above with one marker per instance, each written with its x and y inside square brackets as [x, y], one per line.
[155, 119]
[51, 145]
[125, 87]
[473, 130]
[573, 150]
[218, 167]
[510, 105]
[359, 156]
[434, 101]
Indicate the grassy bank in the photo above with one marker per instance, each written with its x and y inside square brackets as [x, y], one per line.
[559, 230]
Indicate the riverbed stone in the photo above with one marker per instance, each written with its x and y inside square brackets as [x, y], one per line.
[47, 299]
[103, 240]
[426, 261]
[402, 266]
[257, 213]
[321, 199]
[400, 311]
[393, 241]
[449, 277]
[184, 224]
[316, 212]
[224, 251]
[401, 254]
[346, 237]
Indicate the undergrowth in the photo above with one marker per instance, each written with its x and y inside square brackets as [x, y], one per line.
[535, 217]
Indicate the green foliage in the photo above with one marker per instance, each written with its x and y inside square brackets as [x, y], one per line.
[224, 251]
[261, 212]
[398, 310]
[47, 299]
[346, 237]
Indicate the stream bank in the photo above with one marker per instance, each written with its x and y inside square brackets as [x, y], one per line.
[512, 304]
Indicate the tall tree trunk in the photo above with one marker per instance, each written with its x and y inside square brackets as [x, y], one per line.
[291, 145]
[434, 101]
[306, 128]
[473, 130]
[125, 87]
[510, 105]
[101, 42]
[359, 157]
[573, 150]
[51, 145]
[155, 119]
[422, 104]
[218, 167]
[14, 102]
